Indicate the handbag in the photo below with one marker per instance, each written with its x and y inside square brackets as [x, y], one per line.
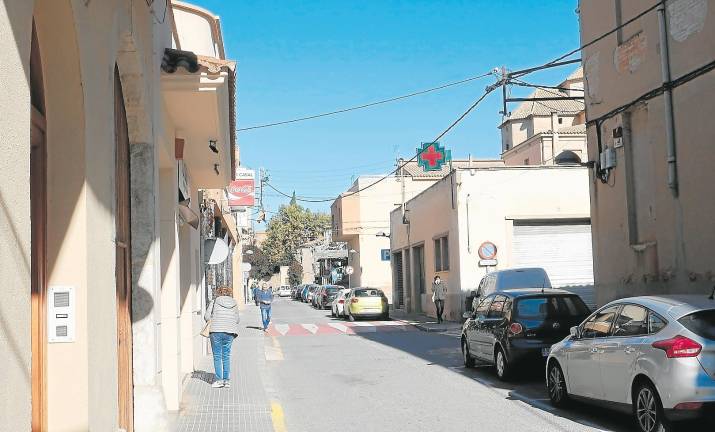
[206, 331]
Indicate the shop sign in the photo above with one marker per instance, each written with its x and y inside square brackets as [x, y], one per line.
[242, 191]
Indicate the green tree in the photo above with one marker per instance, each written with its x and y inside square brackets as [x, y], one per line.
[261, 267]
[291, 227]
[295, 273]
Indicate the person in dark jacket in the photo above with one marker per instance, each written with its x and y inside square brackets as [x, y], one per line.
[265, 297]
[223, 313]
[439, 294]
[255, 290]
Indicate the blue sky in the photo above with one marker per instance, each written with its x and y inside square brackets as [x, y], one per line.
[298, 58]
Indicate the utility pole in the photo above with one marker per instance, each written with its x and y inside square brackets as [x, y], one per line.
[401, 174]
[263, 178]
[504, 80]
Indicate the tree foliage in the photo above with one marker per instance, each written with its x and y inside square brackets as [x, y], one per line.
[261, 267]
[291, 227]
[295, 273]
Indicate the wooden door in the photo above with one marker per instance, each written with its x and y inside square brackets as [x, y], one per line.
[123, 265]
[38, 228]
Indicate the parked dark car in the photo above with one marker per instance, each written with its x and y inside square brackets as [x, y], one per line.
[327, 295]
[514, 326]
[309, 293]
[295, 292]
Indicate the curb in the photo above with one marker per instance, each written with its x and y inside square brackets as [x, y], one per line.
[424, 327]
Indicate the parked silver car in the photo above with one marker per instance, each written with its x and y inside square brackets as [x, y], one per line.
[654, 355]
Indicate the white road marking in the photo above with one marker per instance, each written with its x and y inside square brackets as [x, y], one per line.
[282, 328]
[310, 327]
[341, 327]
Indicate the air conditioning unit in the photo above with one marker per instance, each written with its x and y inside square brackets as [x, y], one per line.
[61, 314]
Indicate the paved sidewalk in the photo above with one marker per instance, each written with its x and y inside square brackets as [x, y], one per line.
[245, 406]
[427, 323]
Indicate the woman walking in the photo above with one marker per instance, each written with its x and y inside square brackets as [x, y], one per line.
[223, 314]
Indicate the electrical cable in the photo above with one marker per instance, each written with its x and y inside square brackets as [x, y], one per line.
[487, 91]
[367, 105]
[588, 44]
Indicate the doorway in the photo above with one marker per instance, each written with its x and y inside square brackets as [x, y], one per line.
[123, 259]
[418, 257]
[38, 227]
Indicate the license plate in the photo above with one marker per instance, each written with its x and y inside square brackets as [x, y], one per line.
[545, 351]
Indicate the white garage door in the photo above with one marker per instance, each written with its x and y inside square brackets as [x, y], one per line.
[562, 249]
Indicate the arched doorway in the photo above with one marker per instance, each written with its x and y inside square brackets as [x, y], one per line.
[38, 227]
[123, 258]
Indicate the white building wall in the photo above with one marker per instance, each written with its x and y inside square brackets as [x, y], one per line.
[499, 197]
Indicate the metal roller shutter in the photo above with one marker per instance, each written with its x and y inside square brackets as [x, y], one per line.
[562, 249]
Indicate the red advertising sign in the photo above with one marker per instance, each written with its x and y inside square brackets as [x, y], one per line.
[241, 192]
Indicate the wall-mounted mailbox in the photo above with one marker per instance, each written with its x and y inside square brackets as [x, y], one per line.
[61, 314]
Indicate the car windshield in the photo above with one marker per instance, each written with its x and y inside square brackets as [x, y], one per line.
[701, 323]
[550, 307]
[523, 279]
[368, 293]
[332, 289]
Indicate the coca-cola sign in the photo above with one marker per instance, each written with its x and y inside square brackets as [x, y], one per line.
[241, 192]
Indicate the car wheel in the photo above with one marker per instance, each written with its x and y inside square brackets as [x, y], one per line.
[466, 356]
[385, 316]
[332, 312]
[501, 365]
[647, 409]
[556, 385]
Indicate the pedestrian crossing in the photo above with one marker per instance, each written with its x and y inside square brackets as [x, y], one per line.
[337, 328]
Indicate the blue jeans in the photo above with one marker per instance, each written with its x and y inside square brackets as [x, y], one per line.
[266, 316]
[221, 349]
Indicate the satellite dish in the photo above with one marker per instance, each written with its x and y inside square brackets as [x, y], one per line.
[215, 251]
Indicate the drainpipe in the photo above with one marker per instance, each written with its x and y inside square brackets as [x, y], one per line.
[668, 99]
[469, 244]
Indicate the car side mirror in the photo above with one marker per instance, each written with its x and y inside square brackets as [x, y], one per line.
[574, 332]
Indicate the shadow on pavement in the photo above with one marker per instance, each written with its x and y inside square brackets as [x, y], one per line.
[527, 385]
[207, 377]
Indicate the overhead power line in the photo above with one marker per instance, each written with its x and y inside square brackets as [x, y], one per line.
[558, 60]
[488, 90]
[367, 105]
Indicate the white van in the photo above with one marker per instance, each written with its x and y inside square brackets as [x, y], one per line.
[513, 278]
[501, 280]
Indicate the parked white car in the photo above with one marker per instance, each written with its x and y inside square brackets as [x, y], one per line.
[338, 307]
[284, 291]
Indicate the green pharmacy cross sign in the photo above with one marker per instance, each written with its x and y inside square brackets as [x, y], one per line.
[431, 156]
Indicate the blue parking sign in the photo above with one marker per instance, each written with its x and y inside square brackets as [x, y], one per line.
[385, 254]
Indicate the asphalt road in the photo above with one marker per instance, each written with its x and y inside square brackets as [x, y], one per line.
[387, 377]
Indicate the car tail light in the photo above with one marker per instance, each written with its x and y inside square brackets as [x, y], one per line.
[341, 301]
[354, 300]
[679, 347]
[516, 328]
